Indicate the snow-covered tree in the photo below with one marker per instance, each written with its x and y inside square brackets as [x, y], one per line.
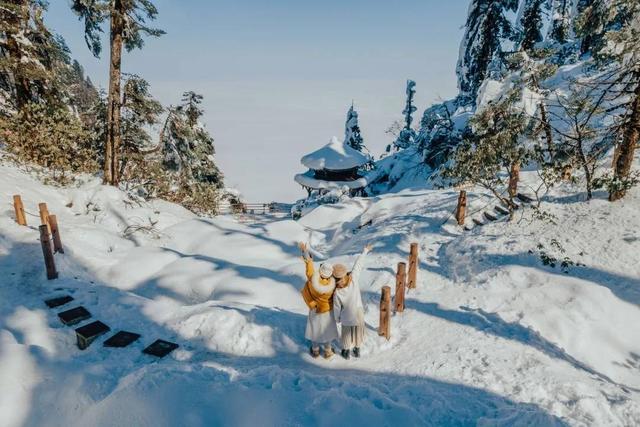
[32, 58]
[127, 27]
[493, 149]
[139, 111]
[623, 47]
[561, 24]
[407, 135]
[352, 134]
[187, 146]
[532, 23]
[487, 26]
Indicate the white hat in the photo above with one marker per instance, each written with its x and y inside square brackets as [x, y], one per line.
[326, 270]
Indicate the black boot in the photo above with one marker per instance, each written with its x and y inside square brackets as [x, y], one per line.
[345, 354]
[315, 352]
[356, 351]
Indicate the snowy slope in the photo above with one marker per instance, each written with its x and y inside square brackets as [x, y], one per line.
[489, 337]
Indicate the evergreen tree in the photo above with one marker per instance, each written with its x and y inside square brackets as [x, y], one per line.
[32, 58]
[191, 105]
[352, 135]
[127, 28]
[139, 112]
[531, 23]
[187, 146]
[561, 21]
[592, 24]
[623, 46]
[487, 26]
[407, 135]
[492, 149]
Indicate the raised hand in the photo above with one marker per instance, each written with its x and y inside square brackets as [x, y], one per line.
[303, 247]
[368, 248]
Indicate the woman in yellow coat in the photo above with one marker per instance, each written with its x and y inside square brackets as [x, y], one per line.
[318, 295]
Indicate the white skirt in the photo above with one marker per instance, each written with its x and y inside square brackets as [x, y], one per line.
[321, 327]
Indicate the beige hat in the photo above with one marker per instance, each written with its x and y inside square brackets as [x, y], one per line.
[326, 269]
[339, 271]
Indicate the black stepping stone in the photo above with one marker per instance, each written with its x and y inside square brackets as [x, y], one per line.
[524, 198]
[477, 222]
[501, 210]
[490, 217]
[121, 339]
[73, 316]
[58, 301]
[88, 333]
[160, 348]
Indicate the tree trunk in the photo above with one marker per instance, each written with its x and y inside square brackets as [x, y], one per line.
[588, 176]
[627, 147]
[547, 129]
[114, 137]
[514, 178]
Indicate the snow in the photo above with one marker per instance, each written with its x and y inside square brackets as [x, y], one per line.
[490, 336]
[335, 156]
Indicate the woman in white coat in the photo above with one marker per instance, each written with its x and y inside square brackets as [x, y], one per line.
[348, 309]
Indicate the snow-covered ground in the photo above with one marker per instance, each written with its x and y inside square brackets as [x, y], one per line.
[490, 336]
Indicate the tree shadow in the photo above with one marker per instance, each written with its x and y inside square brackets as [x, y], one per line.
[624, 287]
[493, 324]
[98, 384]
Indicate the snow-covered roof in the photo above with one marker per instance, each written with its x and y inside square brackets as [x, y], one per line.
[307, 180]
[335, 156]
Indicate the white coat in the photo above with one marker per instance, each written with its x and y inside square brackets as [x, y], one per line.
[347, 302]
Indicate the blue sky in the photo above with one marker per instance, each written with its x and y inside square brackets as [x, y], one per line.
[279, 76]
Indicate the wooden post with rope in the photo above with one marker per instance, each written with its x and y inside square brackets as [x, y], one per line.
[384, 329]
[461, 209]
[18, 207]
[413, 266]
[401, 280]
[55, 234]
[44, 215]
[47, 252]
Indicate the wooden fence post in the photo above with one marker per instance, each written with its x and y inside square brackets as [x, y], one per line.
[462, 207]
[47, 252]
[413, 265]
[55, 234]
[401, 280]
[44, 215]
[19, 209]
[384, 329]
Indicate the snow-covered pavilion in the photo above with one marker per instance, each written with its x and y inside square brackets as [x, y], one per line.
[334, 166]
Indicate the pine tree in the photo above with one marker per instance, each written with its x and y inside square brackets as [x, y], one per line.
[127, 28]
[531, 23]
[139, 112]
[487, 26]
[492, 149]
[562, 20]
[187, 146]
[624, 48]
[407, 135]
[352, 136]
[32, 58]
[592, 24]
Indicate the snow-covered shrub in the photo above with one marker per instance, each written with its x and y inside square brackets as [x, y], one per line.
[50, 137]
[317, 198]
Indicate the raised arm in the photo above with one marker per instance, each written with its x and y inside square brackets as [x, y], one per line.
[308, 261]
[359, 264]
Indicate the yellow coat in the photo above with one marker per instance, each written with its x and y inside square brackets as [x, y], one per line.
[318, 292]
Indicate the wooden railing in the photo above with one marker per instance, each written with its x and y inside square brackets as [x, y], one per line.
[279, 209]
